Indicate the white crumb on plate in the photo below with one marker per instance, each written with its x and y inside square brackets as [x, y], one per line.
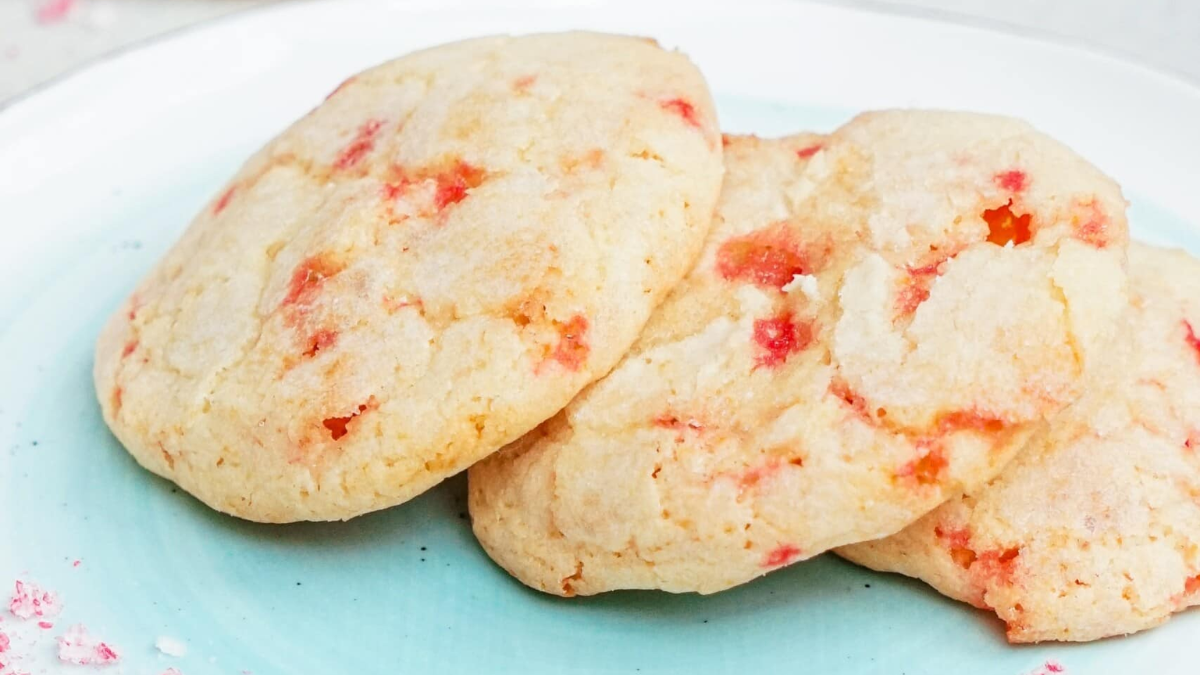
[171, 646]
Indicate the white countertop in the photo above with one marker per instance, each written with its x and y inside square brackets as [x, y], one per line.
[43, 38]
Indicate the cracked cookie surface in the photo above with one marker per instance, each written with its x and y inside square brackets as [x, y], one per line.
[430, 263]
[1094, 530]
[879, 320]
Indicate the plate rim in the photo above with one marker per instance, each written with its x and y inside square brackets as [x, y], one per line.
[1044, 37]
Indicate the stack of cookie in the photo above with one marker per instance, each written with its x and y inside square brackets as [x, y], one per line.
[676, 360]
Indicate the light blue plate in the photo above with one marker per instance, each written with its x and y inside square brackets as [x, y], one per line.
[99, 174]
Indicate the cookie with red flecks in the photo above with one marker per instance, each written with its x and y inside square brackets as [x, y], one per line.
[432, 262]
[879, 320]
[1094, 530]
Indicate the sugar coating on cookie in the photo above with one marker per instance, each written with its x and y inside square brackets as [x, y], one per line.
[1094, 530]
[879, 320]
[433, 261]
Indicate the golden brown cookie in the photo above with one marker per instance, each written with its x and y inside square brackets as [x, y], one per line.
[432, 262]
[879, 320]
[1094, 530]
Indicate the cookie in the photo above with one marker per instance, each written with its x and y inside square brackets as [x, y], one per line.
[879, 320]
[424, 268]
[1094, 530]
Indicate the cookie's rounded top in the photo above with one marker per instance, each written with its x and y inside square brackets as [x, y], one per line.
[879, 319]
[429, 264]
[1093, 530]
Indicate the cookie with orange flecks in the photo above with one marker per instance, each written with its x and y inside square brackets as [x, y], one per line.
[432, 262]
[879, 320]
[1094, 530]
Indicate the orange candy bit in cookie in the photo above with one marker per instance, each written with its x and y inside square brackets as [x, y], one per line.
[684, 109]
[1005, 226]
[958, 543]
[751, 477]
[572, 348]
[926, 469]
[974, 420]
[808, 152]
[452, 184]
[523, 83]
[999, 565]
[764, 258]
[1192, 340]
[910, 297]
[307, 279]
[778, 338]
[857, 403]
[672, 421]
[781, 555]
[223, 201]
[1013, 180]
[321, 339]
[340, 426]
[1192, 585]
[363, 142]
[1091, 223]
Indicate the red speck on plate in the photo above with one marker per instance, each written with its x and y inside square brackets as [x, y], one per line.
[80, 648]
[28, 601]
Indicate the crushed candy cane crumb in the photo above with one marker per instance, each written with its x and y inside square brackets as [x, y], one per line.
[30, 600]
[80, 648]
[171, 671]
[171, 646]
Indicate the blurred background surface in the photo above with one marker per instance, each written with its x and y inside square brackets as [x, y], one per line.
[40, 39]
